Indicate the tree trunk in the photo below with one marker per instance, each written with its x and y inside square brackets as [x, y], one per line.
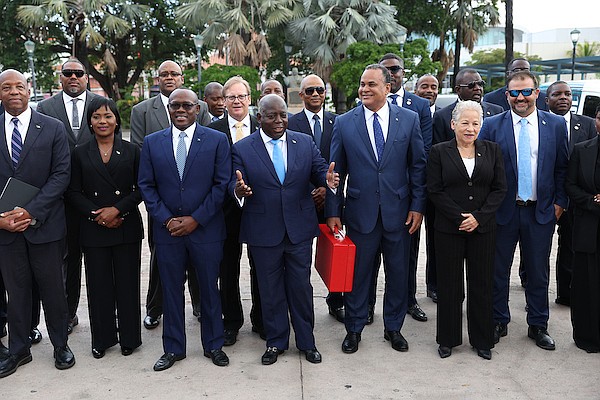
[457, 47]
[509, 37]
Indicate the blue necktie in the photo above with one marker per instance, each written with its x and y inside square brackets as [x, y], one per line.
[16, 143]
[278, 160]
[181, 154]
[394, 97]
[317, 132]
[378, 133]
[524, 166]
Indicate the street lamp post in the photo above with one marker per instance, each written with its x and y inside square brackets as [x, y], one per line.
[574, 38]
[29, 48]
[198, 42]
[401, 36]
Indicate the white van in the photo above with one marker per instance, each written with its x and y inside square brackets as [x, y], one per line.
[586, 96]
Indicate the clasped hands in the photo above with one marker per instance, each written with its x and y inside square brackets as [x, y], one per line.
[469, 224]
[108, 217]
[242, 190]
[17, 220]
[181, 226]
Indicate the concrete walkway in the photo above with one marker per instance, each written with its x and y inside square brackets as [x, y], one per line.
[518, 369]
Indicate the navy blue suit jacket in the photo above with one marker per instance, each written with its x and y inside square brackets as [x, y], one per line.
[45, 163]
[298, 122]
[551, 163]
[274, 209]
[498, 97]
[199, 194]
[420, 105]
[396, 185]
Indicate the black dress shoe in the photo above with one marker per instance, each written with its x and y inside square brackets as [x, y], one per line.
[10, 364]
[432, 294]
[229, 337]
[72, 324]
[35, 336]
[500, 330]
[541, 337]
[63, 357]
[350, 343]
[483, 353]
[337, 312]
[416, 312]
[312, 356]
[151, 322]
[218, 357]
[167, 360]
[261, 332]
[444, 351]
[97, 353]
[270, 356]
[397, 340]
[371, 315]
[565, 301]
[126, 351]
[4, 352]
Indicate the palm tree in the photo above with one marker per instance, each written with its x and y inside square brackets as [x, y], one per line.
[328, 27]
[238, 28]
[586, 49]
[93, 28]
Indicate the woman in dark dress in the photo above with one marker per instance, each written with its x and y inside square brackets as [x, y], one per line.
[583, 188]
[466, 183]
[104, 190]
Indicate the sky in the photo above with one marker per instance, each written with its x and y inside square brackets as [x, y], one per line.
[540, 15]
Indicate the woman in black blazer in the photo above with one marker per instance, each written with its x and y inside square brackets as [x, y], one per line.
[583, 188]
[466, 183]
[104, 190]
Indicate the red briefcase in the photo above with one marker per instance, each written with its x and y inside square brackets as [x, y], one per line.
[335, 260]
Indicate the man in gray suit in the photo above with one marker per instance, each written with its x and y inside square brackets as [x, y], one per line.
[147, 117]
[70, 107]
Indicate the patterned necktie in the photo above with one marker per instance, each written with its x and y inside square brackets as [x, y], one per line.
[239, 133]
[394, 99]
[378, 133]
[181, 154]
[317, 131]
[75, 122]
[16, 143]
[278, 160]
[524, 164]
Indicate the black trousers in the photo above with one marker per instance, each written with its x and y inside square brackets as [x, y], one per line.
[21, 264]
[154, 298]
[585, 301]
[564, 257]
[478, 249]
[430, 266]
[72, 259]
[113, 282]
[3, 305]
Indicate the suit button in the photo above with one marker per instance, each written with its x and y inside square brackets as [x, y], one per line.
[182, 189]
[179, 209]
[118, 192]
[470, 197]
[470, 184]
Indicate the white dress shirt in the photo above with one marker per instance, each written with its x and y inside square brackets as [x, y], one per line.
[24, 120]
[165, 101]
[189, 133]
[534, 140]
[68, 100]
[310, 116]
[245, 128]
[384, 121]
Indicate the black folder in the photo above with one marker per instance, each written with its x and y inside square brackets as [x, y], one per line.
[16, 193]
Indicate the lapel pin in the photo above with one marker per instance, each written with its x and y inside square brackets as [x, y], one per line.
[576, 127]
[408, 102]
[478, 154]
[198, 139]
[396, 118]
[118, 152]
[543, 122]
[330, 121]
[38, 126]
[487, 113]
[294, 141]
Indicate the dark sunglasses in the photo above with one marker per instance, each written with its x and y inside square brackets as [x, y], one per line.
[310, 90]
[395, 68]
[166, 74]
[185, 106]
[471, 85]
[524, 92]
[70, 72]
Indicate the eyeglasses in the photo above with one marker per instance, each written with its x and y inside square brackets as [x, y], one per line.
[471, 85]
[67, 73]
[519, 69]
[524, 92]
[310, 90]
[166, 74]
[240, 97]
[185, 106]
[394, 68]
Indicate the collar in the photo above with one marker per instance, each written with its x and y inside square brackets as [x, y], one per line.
[266, 139]
[232, 121]
[531, 118]
[189, 131]
[24, 117]
[567, 117]
[383, 112]
[67, 99]
[310, 114]
[165, 100]
[400, 93]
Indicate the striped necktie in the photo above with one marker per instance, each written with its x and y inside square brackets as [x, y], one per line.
[16, 143]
